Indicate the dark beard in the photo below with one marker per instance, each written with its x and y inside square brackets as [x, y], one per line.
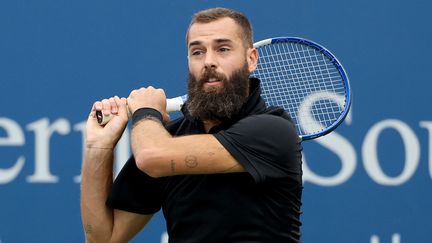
[218, 103]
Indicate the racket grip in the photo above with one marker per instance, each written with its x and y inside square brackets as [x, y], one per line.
[173, 104]
[101, 118]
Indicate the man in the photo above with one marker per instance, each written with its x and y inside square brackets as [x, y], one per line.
[229, 170]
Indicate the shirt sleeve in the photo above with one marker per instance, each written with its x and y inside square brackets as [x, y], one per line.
[266, 145]
[135, 191]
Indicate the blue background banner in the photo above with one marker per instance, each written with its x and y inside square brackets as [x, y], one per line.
[369, 181]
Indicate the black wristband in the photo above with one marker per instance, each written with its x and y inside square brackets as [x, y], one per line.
[146, 113]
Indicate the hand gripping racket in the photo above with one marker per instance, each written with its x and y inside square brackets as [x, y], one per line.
[301, 76]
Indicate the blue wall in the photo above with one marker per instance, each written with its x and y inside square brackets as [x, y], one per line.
[370, 181]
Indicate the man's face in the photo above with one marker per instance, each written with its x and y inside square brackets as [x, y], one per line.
[218, 46]
[219, 67]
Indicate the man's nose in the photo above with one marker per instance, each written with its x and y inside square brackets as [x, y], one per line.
[210, 60]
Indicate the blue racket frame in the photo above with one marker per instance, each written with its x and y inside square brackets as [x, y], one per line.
[336, 63]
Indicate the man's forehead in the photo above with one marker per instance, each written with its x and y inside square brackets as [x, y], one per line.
[222, 29]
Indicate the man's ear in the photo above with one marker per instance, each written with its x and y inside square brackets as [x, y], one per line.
[252, 59]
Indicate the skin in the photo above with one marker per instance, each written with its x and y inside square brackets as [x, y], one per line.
[217, 45]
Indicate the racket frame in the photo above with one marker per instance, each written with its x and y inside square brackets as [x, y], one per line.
[339, 67]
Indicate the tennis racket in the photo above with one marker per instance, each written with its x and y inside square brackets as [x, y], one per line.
[301, 76]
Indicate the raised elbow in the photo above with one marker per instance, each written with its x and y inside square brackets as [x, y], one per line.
[148, 162]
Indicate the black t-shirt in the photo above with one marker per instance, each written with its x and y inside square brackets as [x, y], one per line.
[260, 205]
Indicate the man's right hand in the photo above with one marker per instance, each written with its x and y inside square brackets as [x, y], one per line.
[107, 136]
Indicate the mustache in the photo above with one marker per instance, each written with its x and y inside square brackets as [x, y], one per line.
[211, 74]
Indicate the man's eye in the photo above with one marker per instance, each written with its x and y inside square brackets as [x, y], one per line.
[224, 49]
[197, 53]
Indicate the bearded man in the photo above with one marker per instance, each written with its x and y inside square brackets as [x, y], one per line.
[228, 170]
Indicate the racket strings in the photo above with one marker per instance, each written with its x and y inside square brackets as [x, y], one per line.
[292, 73]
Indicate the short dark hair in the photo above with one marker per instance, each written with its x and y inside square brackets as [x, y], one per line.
[213, 14]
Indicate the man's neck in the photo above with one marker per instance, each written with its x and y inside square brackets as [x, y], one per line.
[209, 124]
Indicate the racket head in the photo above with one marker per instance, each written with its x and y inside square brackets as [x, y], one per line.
[307, 80]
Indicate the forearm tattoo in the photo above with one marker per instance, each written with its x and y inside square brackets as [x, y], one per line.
[191, 161]
[173, 166]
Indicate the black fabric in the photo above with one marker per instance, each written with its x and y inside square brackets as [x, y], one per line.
[133, 189]
[262, 205]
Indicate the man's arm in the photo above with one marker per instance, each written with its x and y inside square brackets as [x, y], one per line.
[102, 224]
[159, 154]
